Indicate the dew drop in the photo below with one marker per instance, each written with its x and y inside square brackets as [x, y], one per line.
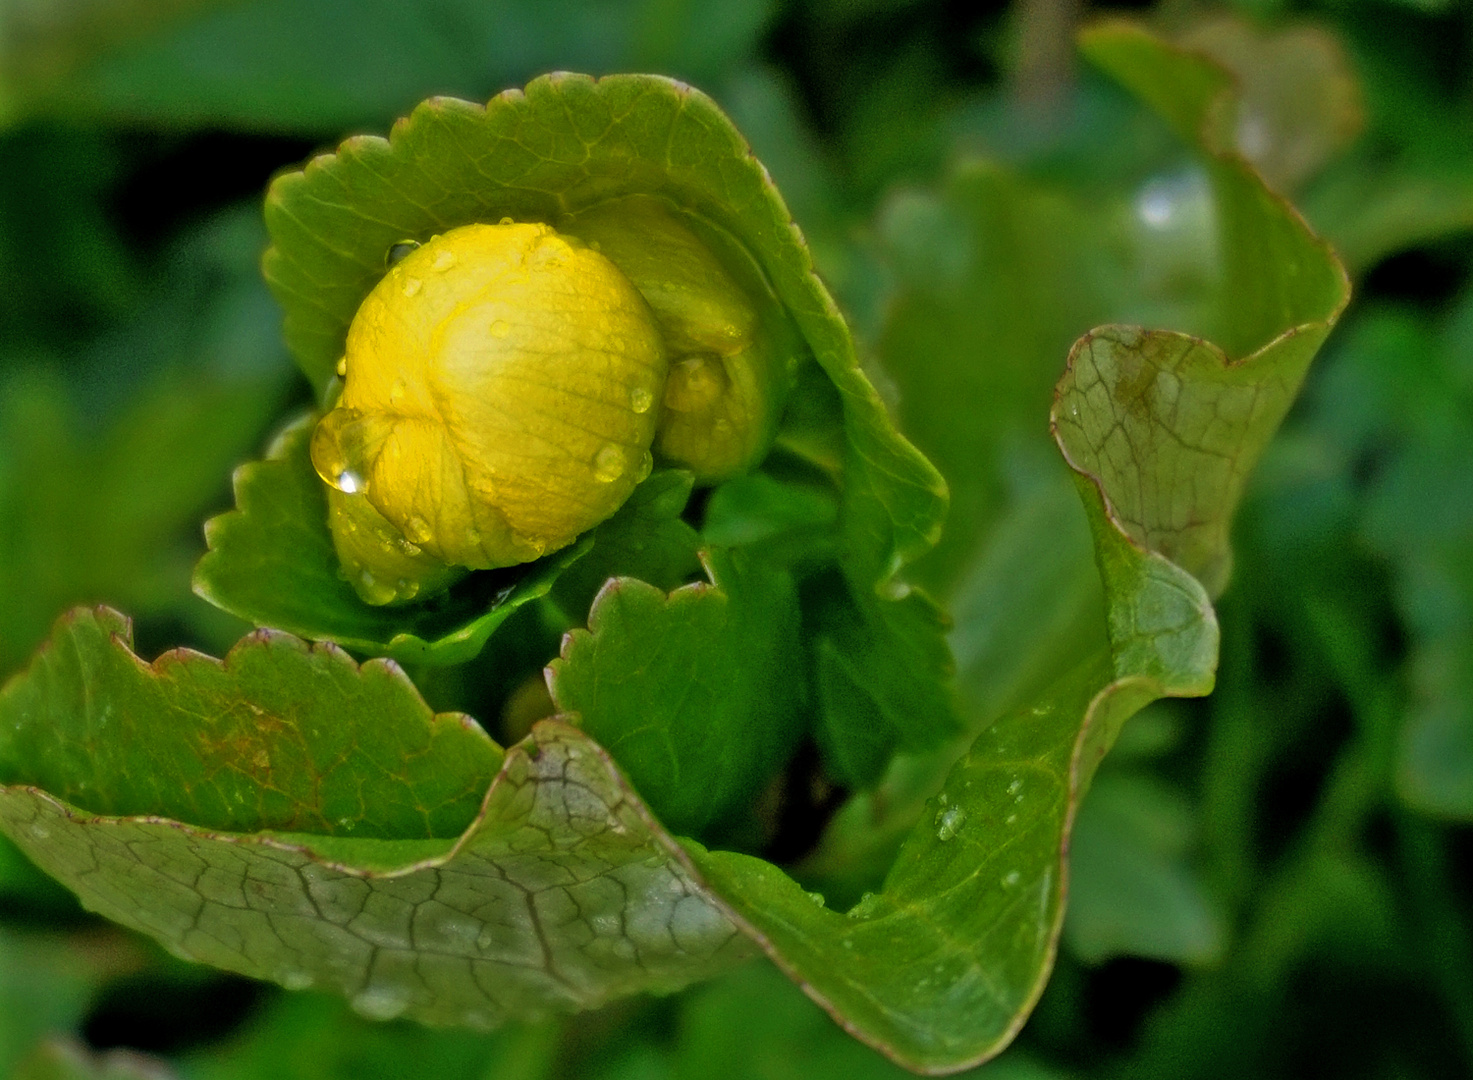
[443, 260]
[418, 530]
[343, 368]
[412, 286]
[641, 399]
[949, 822]
[608, 464]
[1015, 787]
[817, 898]
[344, 445]
[397, 392]
[500, 328]
[295, 980]
[381, 1002]
[397, 252]
[1011, 878]
[507, 221]
[646, 466]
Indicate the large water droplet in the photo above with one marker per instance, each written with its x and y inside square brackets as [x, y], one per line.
[381, 1002]
[608, 464]
[345, 444]
[396, 252]
[949, 822]
[641, 399]
[500, 328]
[412, 285]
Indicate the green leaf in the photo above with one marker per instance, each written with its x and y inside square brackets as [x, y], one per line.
[272, 561]
[278, 735]
[315, 69]
[565, 143]
[1132, 890]
[47, 983]
[940, 968]
[755, 1025]
[646, 539]
[884, 674]
[104, 516]
[561, 895]
[694, 693]
[56, 1059]
[315, 1037]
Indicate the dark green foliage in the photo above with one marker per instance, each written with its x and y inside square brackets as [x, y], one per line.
[793, 717]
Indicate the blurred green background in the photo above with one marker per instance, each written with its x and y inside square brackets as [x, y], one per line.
[1276, 881]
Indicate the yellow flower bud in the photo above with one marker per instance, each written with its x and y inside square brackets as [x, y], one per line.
[499, 399]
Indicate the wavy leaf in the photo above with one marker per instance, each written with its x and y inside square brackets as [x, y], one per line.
[278, 735]
[940, 968]
[562, 894]
[693, 692]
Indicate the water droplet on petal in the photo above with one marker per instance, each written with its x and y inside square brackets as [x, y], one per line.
[608, 464]
[411, 286]
[500, 328]
[443, 260]
[949, 822]
[418, 530]
[507, 221]
[345, 444]
[343, 367]
[397, 392]
[397, 251]
[641, 399]
[646, 466]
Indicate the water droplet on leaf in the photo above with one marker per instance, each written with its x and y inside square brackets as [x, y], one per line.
[949, 822]
[381, 1002]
